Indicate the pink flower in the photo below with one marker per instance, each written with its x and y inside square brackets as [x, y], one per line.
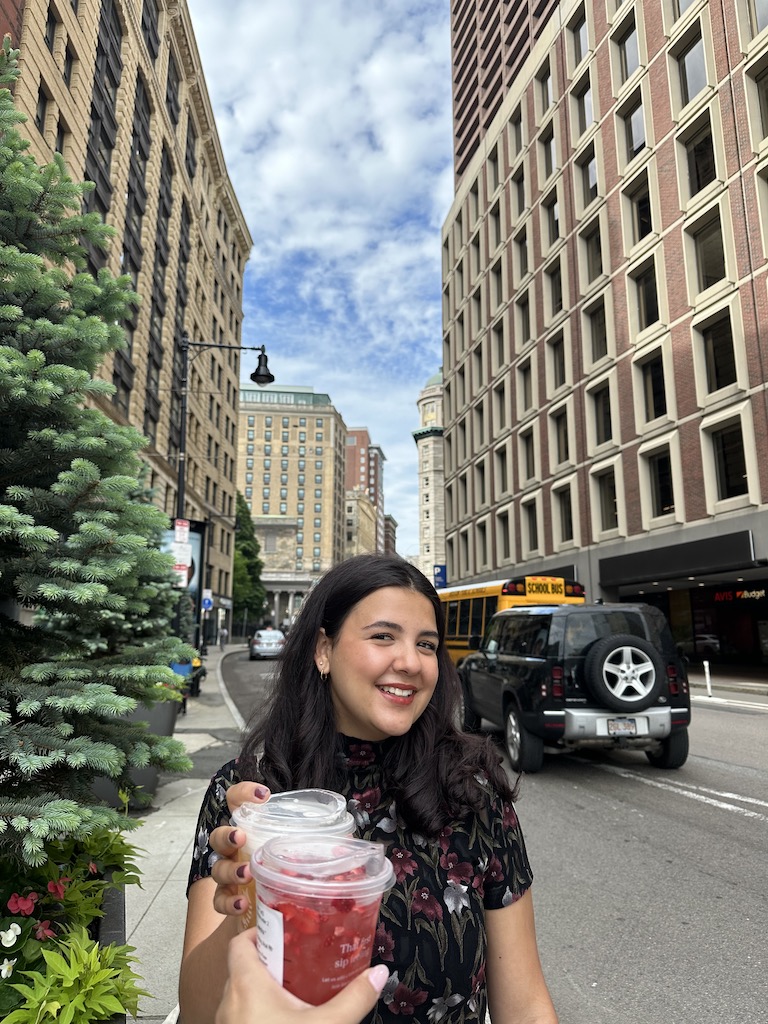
[44, 931]
[495, 872]
[24, 905]
[57, 888]
[92, 868]
[405, 1000]
[444, 839]
[383, 944]
[360, 755]
[509, 817]
[424, 902]
[368, 799]
[458, 871]
[402, 862]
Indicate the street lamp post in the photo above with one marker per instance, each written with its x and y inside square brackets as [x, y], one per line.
[260, 376]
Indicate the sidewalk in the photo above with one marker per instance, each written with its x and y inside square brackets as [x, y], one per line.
[155, 913]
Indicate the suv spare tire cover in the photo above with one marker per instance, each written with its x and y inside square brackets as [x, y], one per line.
[624, 672]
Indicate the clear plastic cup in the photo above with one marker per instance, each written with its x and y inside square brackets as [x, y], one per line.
[318, 811]
[318, 902]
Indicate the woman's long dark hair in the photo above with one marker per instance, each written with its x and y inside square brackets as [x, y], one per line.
[431, 770]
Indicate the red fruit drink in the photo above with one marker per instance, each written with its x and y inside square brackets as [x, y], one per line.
[317, 908]
[318, 810]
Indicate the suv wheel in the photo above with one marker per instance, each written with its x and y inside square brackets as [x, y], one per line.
[624, 672]
[672, 752]
[525, 751]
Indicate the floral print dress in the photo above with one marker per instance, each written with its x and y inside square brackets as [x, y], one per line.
[431, 931]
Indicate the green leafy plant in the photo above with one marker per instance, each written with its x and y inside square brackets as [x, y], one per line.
[49, 918]
[83, 982]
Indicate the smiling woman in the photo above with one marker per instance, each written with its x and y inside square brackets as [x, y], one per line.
[364, 704]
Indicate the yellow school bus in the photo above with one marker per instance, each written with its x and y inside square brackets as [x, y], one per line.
[468, 609]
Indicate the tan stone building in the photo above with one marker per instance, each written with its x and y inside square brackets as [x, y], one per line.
[364, 467]
[604, 281]
[291, 473]
[360, 523]
[117, 87]
[429, 443]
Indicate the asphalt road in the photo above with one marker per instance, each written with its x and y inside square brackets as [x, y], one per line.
[650, 886]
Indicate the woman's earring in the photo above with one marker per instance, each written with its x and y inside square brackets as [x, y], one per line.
[324, 676]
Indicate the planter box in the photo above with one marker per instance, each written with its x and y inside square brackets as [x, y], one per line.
[162, 722]
[112, 929]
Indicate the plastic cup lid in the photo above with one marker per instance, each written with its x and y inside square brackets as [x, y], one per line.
[324, 866]
[302, 809]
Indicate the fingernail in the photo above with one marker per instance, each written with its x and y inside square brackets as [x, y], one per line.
[261, 791]
[241, 871]
[238, 904]
[233, 836]
[378, 976]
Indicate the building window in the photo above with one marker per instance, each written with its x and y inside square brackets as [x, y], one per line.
[560, 433]
[693, 70]
[69, 63]
[761, 83]
[564, 514]
[51, 24]
[531, 525]
[492, 165]
[583, 100]
[680, 7]
[730, 461]
[41, 111]
[606, 492]
[710, 255]
[546, 94]
[547, 144]
[601, 404]
[525, 385]
[647, 296]
[516, 133]
[518, 188]
[700, 151]
[557, 361]
[523, 319]
[555, 286]
[579, 37]
[494, 227]
[639, 196]
[654, 392]
[598, 333]
[528, 453]
[719, 357]
[521, 250]
[587, 169]
[552, 217]
[629, 50]
[593, 252]
[662, 488]
[634, 128]
[758, 15]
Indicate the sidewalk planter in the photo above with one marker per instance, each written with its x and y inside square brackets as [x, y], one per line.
[112, 928]
[161, 718]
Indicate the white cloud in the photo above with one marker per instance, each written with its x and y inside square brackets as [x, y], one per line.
[336, 126]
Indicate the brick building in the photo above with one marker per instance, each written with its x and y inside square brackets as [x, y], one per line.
[116, 87]
[604, 282]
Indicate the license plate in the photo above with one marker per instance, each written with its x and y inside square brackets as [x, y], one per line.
[622, 727]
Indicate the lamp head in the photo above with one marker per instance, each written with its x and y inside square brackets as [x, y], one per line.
[261, 374]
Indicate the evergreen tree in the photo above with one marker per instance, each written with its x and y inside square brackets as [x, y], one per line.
[79, 535]
[248, 593]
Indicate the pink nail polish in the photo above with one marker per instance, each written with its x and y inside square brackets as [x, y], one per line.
[261, 791]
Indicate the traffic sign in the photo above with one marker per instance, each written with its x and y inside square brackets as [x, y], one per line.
[207, 601]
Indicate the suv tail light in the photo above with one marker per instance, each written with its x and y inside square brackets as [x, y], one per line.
[558, 681]
[672, 681]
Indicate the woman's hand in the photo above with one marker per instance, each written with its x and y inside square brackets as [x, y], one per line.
[229, 873]
[252, 996]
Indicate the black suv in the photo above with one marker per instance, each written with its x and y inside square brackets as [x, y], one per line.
[570, 676]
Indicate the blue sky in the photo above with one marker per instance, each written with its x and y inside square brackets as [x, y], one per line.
[335, 120]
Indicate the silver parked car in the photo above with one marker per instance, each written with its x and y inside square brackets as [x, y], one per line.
[266, 643]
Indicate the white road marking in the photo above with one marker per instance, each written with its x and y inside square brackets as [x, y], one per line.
[693, 793]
